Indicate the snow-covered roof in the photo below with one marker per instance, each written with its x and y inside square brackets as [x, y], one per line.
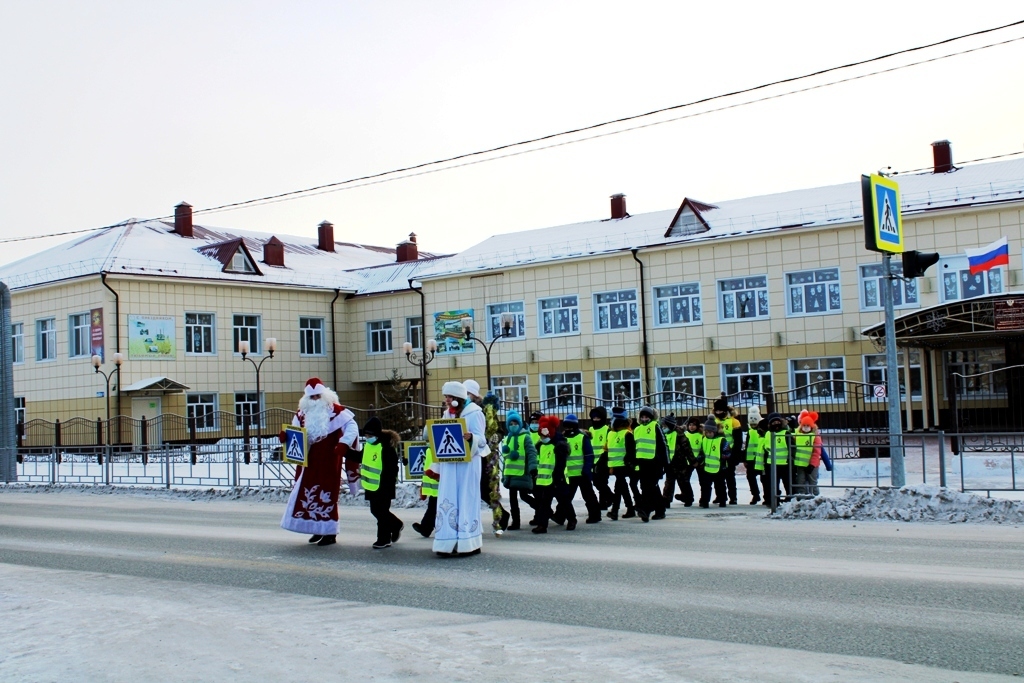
[816, 207]
[153, 248]
[392, 276]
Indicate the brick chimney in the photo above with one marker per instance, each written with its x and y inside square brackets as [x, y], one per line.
[619, 206]
[407, 250]
[942, 153]
[325, 233]
[273, 252]
[183, 219]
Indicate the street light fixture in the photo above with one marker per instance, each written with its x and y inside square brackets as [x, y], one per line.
[270, 344]
[507, 320]
[421, 360]
[96, 363]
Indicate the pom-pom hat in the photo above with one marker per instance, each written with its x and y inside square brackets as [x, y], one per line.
[455, 389]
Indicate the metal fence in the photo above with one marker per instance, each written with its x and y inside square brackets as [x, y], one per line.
[987, 401]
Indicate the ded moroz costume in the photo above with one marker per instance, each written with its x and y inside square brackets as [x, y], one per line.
[331, 430]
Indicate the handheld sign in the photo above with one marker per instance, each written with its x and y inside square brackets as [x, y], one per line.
[448, 440]
[296, 445]
[415, 458]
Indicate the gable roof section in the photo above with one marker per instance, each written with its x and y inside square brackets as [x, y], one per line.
[694, 207]
[224, 253]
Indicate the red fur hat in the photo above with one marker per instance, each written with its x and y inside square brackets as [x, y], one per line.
[548, 425]
[808, 418]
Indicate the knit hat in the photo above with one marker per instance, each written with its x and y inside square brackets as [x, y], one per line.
[808, 418]
[649, 411]
[313, 386]
[711, 425]
[571, 419]
[669, 421]
[753, 415]
[772, 417]
[721, 404]
[373, 427]
[513, 416]
[599, 413]
[548, 425]
[536, 415]
[619, 413]
[472, 386]
[455, 389]
[693, 420]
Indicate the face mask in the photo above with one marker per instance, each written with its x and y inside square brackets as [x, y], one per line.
[545, 439]
[534, 426]
[371, 439]
[514, 427]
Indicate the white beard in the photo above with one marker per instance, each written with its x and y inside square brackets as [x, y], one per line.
[317, 414]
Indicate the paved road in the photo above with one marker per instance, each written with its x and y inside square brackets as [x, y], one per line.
[703, 595]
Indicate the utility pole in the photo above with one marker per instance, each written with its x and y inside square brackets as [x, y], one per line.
[897, 468]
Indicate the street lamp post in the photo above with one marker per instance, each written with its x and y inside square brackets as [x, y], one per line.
[421, 360]
[507, 320]
[243, 348]
[96, 363]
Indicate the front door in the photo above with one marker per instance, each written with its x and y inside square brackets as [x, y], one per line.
[148, 407]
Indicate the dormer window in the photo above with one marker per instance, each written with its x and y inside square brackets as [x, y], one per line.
[689, 219]
[233, 256]
[240, 263]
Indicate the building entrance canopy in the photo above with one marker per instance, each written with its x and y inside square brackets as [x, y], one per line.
[154, 386]
[958, 324]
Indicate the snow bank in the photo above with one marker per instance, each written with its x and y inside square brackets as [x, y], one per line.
[916, 503]
[407, 495]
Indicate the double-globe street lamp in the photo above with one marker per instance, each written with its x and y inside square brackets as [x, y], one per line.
[270, 344]
[421, 360]
[97, 362]
[507, 320]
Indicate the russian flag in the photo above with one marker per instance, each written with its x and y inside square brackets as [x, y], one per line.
[986, 258]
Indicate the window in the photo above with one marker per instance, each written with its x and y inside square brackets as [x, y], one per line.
[19, 410]
[743, 298]
[819, 378]
[681, 385]
[812, 292]
[957, 283]
[18, 342]
[248, 405]
[510, 390]
[677, 305]
[414, 332]
[559, 315]
[247, 328]
[977, 366]
[202, 408]
[378, 336]
[78, 335]
[311, 336]
[875, 374]
[747, 377]
[564, 389]
[518, 329]
[240, 263]
[199, 333]
[615, 311]
[904, 293]
[46, 339]
[620, 388]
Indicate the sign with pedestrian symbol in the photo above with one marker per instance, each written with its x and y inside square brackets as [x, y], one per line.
[296, 445]
[448, 440]
[883, 223]
[415, 458]
[879, 390]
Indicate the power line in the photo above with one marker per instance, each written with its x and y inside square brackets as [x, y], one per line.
[387, 176]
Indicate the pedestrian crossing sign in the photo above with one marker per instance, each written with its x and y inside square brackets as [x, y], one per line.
[883, 223]
[448, 440]
[296, 445]
[415, 458]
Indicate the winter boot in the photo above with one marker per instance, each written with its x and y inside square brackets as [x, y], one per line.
[328, 540]
[612, 514]
[421, 530]
[380, 545]
[570, 525]
[630, 513]
[314, 539]
[397, 533]
[503, 522]
[539, 529]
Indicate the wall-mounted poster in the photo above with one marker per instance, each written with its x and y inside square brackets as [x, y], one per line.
[151, 337]
[96, 333]
[448, 332]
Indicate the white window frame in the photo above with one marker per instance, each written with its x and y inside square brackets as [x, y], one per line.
[510, 390]
[573, 313]
[189, 329]
[693, 301]
[18, 343]
[248, 401]
[210, 415]
[750, 371]
[414, 331]
[382, 331]
[547, 380]
[518, 311]
[632, 310]
[802, 288]
[949, 265]
[902, 289]
[240, 263]
[603, 381]
[19, 410]
[975, 367]
[79, 344]
[246, 332]
[874, 363]
[794, 370]
[46, 340]
[724, 296]
[311, 335]
[686, 374]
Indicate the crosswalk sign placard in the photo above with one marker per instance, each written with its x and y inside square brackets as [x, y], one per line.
[448, 440]
[296, 445]
[415, 458]
[883, 222]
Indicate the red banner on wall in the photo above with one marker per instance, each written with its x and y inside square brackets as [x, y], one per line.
[96, 332]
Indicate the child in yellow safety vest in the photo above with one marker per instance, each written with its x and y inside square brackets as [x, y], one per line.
[751, 450]
[428, 490]
[519, 465]
[728, 426]
[806, 454]
[714, 453]
[621, 450]
[379, 474]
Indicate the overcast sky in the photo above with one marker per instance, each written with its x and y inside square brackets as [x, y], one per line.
[117, 110]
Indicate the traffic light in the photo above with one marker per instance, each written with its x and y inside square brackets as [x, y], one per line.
[916, 262]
